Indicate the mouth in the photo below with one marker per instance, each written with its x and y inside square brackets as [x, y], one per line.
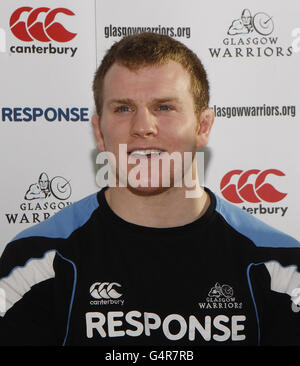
[145, 153]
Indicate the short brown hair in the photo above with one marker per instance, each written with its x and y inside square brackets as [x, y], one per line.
[146, 49]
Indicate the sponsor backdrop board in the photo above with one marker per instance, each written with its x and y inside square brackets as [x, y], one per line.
[46, 141]
[48, 54]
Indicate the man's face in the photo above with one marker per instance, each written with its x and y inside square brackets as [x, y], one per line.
[44, 181]
[246, 17]
[151, 108]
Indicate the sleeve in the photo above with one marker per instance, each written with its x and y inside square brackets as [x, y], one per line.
[26, 297]
[277, 293]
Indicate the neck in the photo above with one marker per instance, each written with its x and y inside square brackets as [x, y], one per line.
[167, 208]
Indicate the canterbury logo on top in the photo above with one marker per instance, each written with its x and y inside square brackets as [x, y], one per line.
[105, 290]
[245, 191]
[28, 24]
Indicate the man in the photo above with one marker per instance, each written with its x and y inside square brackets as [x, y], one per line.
[143, 264]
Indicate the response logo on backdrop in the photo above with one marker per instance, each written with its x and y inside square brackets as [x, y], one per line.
[29, 24]
[43, 198]
[250, 34]
[251, 186]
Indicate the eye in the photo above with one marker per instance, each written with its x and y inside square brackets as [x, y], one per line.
[122, 108]
[164, 107]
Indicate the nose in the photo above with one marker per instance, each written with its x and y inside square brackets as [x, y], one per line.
[144, 123]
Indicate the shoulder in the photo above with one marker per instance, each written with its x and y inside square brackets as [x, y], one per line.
[260, 233]
[43, 240]
[62, 224]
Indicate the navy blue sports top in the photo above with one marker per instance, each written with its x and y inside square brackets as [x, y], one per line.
[86, 277]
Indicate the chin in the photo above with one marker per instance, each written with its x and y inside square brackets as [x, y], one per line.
[147, 191]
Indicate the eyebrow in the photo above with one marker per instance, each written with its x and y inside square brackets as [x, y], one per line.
[120, 101]
[155, 100]
[166, 99]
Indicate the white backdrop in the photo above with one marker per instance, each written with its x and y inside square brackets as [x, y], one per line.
[47, 66]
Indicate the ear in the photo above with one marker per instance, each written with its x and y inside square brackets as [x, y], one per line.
[97, 132]
[205, 123]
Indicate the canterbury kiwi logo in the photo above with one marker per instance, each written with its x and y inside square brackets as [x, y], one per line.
[237, 186]
[105, 290]
[28, 24]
